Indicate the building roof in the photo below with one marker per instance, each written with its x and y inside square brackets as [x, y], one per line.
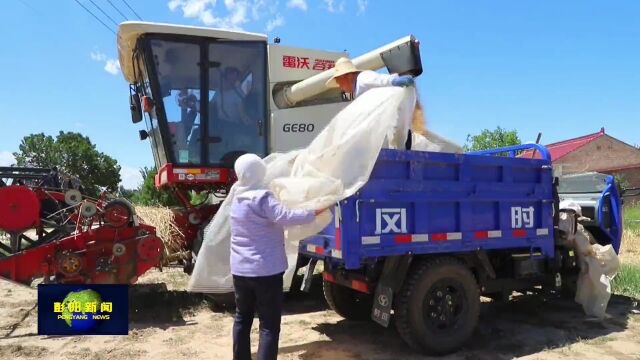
[562, 148]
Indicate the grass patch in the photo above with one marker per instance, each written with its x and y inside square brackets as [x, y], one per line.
[601, 340]
[631, 218]
[630, 250]
[627, 282]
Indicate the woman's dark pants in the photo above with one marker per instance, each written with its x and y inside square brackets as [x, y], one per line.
[264, 295]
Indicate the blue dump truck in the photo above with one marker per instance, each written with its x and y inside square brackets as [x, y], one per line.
[431, 232]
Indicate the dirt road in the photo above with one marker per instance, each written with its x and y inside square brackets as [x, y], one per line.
[169, 323]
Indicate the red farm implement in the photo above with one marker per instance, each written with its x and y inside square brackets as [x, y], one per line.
[54, 232]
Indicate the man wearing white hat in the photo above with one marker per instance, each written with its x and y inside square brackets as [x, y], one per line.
[351, 80]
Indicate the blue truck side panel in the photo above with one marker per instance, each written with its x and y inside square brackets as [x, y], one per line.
[427, 203]
[615, 230]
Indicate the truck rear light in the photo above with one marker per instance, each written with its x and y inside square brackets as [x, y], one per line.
[328, 277]
[360, 286]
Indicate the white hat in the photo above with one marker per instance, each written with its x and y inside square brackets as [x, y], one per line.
[571, 205]
[250, 170]
[343, 66]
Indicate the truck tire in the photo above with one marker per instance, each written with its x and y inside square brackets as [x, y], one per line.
[225, 300]
[348, 303]
[438, 306]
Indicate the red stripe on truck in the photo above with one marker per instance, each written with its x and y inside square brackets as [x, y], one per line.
[403, 238]
[439, 237]
[519, 233]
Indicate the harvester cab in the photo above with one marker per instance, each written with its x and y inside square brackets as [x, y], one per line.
[208, 95]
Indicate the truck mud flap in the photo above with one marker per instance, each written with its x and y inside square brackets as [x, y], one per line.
[393, 274]
[381, 312]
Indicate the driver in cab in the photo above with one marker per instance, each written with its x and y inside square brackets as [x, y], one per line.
[231, 121]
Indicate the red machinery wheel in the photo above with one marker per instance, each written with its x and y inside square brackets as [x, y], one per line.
[69, 263]
[117, 213]
[19, 208]
[150, 248]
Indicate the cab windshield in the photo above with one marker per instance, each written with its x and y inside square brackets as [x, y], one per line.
[213, 93]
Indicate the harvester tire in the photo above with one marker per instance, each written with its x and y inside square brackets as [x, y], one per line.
[438, 306]
[348, 303]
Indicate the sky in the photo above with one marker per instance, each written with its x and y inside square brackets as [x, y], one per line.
[563, 68]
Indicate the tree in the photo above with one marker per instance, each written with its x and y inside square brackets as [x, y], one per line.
[148, 194]
[127, 193]
[73, 154]
[491, 139]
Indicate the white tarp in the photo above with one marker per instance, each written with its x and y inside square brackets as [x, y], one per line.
[334, 166]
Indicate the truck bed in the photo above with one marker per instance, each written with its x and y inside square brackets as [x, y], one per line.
[427, 203]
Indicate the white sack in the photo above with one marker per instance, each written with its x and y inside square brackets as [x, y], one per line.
[598, 265]
[334, 166]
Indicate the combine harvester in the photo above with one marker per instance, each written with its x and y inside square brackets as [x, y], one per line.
[59, 235]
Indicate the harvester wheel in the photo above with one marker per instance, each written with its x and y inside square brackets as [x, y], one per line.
[117, 213]
[69, 263]
[438, 307]
[348, 303]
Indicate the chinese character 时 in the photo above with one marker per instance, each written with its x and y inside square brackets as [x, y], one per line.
[90, 307]
[527, 217]
[74, 306]
[57, 307]
[106, 307]
[289, 61]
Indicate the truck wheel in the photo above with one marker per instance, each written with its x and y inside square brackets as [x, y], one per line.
[225, 300]
[348, 303]
[438, 307]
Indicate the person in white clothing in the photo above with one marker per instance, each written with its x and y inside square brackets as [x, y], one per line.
[351, 80]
